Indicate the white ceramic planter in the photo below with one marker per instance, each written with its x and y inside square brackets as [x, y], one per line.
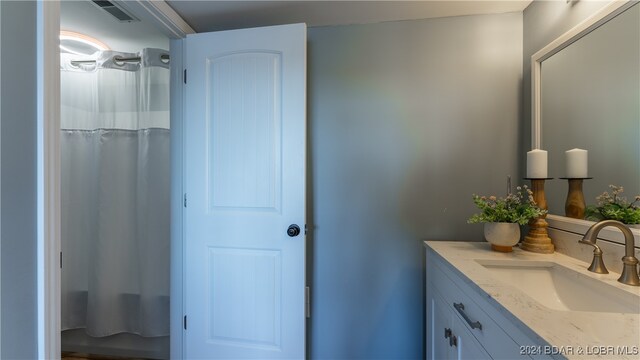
[502, 236]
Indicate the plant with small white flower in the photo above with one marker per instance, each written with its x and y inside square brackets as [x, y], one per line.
[613, 206]
[518, 207]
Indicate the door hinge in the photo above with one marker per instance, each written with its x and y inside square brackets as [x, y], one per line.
[307, 302]
[185, 199]
[60, 259]
[184, 76]
[184, 322]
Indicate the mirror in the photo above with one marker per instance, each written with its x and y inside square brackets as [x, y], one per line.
[596, 109]
[590, 99]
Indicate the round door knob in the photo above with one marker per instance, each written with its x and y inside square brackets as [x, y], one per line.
[293, 230]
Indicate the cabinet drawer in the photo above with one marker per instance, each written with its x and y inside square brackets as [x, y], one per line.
[487, 331]
[465, 346]
[468, 347]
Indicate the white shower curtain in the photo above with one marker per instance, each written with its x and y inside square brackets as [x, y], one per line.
[115, 194]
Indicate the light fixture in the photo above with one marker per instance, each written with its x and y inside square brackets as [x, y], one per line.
[80, 44]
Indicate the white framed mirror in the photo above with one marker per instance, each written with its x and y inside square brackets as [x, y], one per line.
[586, 94]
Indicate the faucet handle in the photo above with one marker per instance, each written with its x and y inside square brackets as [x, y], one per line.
[629, 274]
[597, 264]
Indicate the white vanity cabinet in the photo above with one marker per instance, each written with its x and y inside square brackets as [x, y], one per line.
[462, 324]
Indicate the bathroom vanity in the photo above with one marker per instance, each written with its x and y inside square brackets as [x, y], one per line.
[482, 304]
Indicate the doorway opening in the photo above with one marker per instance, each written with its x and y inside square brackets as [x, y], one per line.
[115, 185]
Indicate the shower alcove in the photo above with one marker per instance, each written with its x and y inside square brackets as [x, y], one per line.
[115, 184]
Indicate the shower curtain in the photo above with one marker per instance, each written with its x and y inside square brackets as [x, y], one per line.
[115, 194]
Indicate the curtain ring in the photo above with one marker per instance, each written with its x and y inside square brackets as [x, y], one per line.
[118, 60]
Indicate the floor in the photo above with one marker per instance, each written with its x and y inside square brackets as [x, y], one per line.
[80, 356]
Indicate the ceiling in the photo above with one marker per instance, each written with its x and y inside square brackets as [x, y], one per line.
[213, 15]
[84, 17]
[225, 15]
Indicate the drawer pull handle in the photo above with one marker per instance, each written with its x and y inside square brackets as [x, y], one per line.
[447, 333]
[473, 324]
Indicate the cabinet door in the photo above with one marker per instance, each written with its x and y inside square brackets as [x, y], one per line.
[439, 322]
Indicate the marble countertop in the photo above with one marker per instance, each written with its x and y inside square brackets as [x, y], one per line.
[578, 334]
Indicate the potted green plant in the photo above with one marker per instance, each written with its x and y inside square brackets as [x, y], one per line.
[612, 206]
[502, 217]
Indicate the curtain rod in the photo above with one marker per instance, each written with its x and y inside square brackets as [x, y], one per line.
[118, 59]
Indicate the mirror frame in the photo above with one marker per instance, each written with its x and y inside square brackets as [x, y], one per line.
[599, 18]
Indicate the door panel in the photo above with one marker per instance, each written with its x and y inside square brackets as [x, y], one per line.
[248, 314]
[244, 120]
[246, 145]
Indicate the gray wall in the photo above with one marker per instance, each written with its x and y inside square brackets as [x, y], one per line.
[18, 184]
[406, 121]
[543, 22]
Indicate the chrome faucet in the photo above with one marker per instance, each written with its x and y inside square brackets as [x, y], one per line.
[630, 262]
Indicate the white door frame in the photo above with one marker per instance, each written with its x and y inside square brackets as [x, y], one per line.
[48, 179]
[159, 14]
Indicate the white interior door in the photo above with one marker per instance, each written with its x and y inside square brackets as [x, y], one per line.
[245, 185]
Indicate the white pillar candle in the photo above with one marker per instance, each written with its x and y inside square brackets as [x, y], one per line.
[537, 164]
[576, 160]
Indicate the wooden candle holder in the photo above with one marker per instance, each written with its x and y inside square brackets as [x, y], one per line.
[538, 240]
[575, 205]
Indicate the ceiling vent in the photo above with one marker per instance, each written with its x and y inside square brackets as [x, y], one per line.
[115, 11]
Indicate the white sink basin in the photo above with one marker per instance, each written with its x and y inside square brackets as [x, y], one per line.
[557, 287]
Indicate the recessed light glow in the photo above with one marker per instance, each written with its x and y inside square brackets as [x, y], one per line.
[82, 41]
